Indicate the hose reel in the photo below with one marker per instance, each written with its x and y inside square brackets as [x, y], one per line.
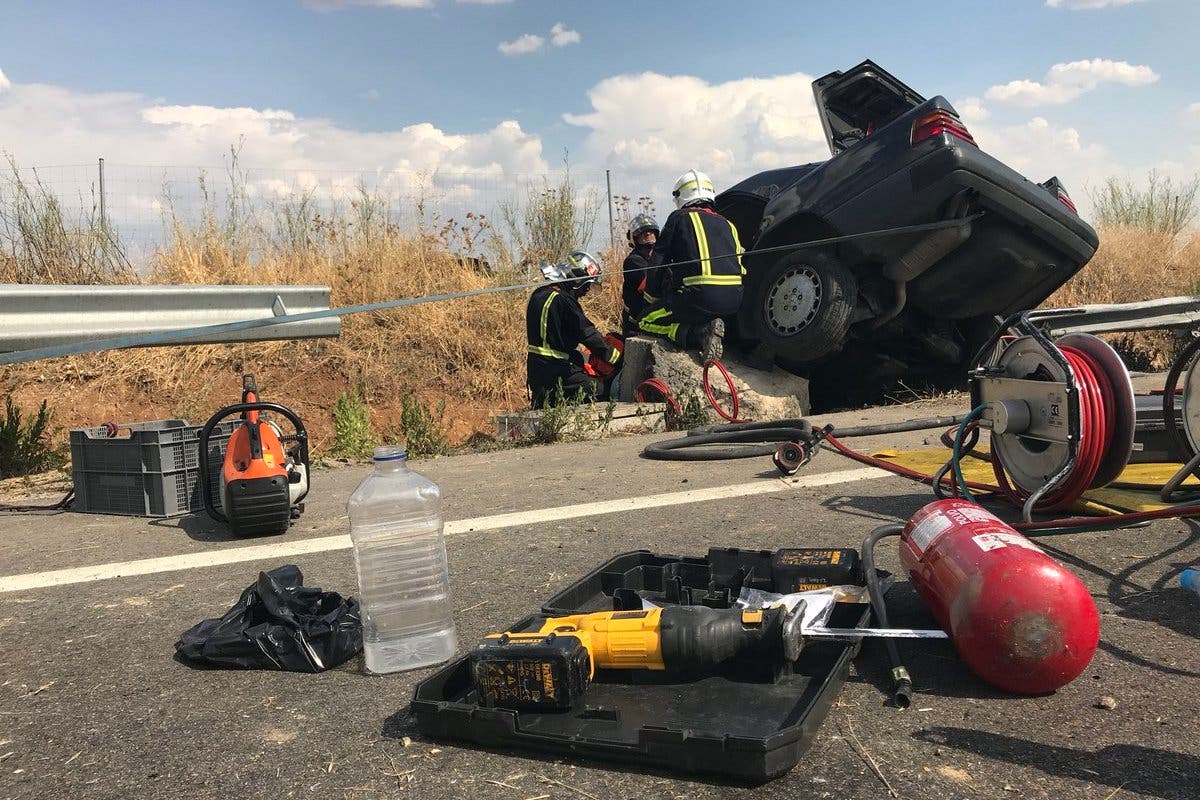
[1061, 414]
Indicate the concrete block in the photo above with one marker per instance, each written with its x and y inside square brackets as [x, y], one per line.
[762, 394]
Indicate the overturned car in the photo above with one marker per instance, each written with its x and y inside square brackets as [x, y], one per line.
[903, 303]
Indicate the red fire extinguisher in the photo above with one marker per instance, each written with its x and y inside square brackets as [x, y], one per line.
[1019, 619]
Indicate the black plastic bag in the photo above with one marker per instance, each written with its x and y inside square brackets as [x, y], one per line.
[278, 623]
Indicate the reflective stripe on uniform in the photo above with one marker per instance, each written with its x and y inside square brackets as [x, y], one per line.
[737, 243]
[702, 244]
[544, 349]
[549, 352]
[647, 323]
[615, 356]
[706, 278]
[713, 280]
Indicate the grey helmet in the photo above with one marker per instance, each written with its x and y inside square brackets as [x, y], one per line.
[579, 270]
[640, 224]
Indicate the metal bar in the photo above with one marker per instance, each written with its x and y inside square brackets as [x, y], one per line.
[854, 634]
[612, 233]
[103, 211]
[1166, 312]
[40, 316]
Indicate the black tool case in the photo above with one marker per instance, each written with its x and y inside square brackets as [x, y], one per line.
[750, 723]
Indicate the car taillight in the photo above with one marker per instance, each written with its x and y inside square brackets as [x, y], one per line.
[1066, 200]
[937, 122]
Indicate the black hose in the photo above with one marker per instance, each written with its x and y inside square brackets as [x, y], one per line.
[750, 439]
[901, 682]
[740, 443]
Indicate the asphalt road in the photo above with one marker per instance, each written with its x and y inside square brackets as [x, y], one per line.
[92, 704]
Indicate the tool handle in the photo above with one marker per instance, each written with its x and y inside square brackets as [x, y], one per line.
[698, 637]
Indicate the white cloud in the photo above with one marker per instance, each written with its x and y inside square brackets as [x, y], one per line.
[529, 43]
[370, 95]
[1088, 5]
[4, 81]
[651, 127]
[561, 35]
[281, 151]
[1065, 82]
[334, 5]
[972, 110]
[485, 2]
[1194, 108]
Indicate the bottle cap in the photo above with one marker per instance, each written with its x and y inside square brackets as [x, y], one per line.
[391, 452]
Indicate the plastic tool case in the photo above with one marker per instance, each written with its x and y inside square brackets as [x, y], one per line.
[750, 723]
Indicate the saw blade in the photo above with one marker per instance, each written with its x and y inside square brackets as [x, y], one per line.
[854, 634]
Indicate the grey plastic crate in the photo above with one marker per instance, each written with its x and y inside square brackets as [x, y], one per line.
[150, 469]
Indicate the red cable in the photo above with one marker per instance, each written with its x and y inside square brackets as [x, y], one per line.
[712, 400]
[905, 472]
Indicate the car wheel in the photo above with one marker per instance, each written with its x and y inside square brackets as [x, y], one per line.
[802, 305]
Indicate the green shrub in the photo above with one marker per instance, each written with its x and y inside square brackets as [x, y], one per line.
[352, 426]
[25, 443]
[423, 430]
[1160, 206]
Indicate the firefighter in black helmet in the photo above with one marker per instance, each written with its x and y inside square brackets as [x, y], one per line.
[642, 234]
[555, 326]
[707, 283]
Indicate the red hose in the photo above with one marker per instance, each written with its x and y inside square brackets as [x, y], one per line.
[905, 472]
[664, 391]
[1097, 417]
[712, 399]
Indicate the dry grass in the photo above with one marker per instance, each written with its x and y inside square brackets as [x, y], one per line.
[1136, 264]
[467, 353]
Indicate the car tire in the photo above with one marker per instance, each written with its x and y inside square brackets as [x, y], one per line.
[801, 306]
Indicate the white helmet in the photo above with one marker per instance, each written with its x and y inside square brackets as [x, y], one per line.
[693, 186]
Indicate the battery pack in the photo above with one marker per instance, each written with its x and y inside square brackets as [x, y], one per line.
[805, 569]
[527, 673]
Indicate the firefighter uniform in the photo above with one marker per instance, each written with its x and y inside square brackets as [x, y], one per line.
[707, 284]
[635, 278]
[555, 326]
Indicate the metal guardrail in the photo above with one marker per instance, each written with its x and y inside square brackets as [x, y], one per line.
[1166, 312]
[34, 316]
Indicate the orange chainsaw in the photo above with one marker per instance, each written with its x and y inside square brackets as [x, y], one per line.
[262, 483]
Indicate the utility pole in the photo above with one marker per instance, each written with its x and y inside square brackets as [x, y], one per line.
[103, 210]
[612, 236]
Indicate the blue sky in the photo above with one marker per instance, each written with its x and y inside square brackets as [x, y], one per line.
[343, 68]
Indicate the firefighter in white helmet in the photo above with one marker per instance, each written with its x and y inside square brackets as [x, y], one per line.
[701, 277]
[555, 327]
[642, 234]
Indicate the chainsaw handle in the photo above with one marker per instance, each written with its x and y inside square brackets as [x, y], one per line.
[301, 437]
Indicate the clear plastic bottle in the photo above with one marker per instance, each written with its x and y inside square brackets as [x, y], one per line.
[400, 557]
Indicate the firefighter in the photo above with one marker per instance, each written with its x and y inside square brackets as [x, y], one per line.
[555, 326]
[707, 283]
[642, 234]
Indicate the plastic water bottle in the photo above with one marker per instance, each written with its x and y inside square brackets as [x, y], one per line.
[400, 557]
[1190, 579]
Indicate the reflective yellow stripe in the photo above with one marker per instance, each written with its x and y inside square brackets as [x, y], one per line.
[649, 298]
[713, 280]
[693, 185]
[615, 357]
[702, 243]
[544, 349]
[737, 243]
[549, 352]
[670, 331]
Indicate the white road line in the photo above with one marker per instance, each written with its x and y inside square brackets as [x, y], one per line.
[279, 550]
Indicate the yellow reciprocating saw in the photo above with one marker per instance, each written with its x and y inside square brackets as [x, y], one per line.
[548, 669]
